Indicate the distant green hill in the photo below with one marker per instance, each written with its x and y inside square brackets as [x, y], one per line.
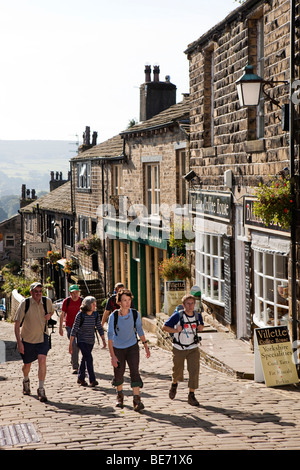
[30, 162]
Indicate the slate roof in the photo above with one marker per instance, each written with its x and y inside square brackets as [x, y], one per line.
[58, 200]
[178, 113]
[110, 148]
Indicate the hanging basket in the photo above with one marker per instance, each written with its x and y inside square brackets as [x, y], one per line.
[274, 203]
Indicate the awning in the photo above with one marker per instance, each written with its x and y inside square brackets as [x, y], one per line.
[270, 244]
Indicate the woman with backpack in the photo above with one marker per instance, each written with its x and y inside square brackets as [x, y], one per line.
[87, 322]
[123, 326]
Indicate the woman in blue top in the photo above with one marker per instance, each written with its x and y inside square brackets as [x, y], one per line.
[86, 322]
[123, 347]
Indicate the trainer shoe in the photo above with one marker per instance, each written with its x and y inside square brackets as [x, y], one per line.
[172, 391]
[192, 399]
[26, 387]
[41, 394]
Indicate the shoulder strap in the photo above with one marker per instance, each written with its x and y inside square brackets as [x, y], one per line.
[116, 315]
[27, 303]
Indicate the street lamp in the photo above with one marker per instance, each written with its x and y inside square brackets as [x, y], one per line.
[250, 87]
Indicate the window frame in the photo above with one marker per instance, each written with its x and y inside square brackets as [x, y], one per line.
[152, 191]
[209, 267]
[267, 279]
[84, 175]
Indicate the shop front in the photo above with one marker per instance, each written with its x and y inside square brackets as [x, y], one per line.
[212, 214]
[136, 251]
[270, 248]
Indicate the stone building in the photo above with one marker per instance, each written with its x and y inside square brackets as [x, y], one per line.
[112, 181]
[48, 237]
[240, 264]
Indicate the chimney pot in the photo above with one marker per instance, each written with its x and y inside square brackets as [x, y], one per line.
[147, 73]
[156, 73]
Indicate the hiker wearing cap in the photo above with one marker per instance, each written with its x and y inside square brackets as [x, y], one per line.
[32, 337]
[70, 308]
[183, 325]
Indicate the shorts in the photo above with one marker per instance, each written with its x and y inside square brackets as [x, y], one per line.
[33, 350]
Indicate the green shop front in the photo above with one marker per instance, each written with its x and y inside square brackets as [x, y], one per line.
[136, 250]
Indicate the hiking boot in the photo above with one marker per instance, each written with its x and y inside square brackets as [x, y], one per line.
[120, 400]
[172, 391]
[82, 382]
[94, 383]
[26, 387]
[192, 399]
[41, 394]
[137, 404]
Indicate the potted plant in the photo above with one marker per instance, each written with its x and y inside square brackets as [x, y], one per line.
[89, 246]
[274, 202]
[53, 256]
[174, 268]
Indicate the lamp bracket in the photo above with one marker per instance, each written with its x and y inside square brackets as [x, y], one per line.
[272, 83]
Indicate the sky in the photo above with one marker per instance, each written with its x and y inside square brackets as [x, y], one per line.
[68, 64]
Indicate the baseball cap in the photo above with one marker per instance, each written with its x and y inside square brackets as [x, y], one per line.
[196, 291]
[35, 284]
[73, 288]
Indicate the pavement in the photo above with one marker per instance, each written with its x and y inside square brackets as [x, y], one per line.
[80, 418]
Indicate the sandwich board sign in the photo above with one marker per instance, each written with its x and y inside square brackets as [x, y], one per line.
[274, 357]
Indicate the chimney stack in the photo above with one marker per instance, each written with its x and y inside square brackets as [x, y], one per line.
[155, 96]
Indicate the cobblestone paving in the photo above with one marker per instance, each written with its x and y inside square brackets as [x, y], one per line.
[234, 413]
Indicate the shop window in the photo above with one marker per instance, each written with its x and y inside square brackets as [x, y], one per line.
[210, 267]
[270, 289]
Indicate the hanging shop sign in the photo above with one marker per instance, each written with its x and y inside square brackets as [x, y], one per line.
[275, 352]
[216, 205]
[37, 250]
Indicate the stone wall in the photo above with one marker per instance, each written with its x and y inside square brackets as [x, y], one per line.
[235, 145]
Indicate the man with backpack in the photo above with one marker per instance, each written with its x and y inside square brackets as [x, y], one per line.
[70, 308]
[183, 325]
[32, 336]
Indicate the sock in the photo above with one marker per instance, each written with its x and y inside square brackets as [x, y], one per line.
[41, 383]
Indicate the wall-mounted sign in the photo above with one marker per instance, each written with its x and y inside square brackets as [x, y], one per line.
[174, 291]
[251, 221]
[276, 356]
[37, 250]
[217, 205]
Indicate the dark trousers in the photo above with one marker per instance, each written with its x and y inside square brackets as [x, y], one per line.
[86, 362]
[130, 355]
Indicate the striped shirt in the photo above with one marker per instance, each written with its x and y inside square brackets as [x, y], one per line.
[86, 332]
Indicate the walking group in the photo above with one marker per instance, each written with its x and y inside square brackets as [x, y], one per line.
[82, 323]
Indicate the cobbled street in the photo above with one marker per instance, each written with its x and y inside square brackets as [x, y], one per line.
[234, 414]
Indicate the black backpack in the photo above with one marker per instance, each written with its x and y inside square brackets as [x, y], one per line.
[116, 315]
